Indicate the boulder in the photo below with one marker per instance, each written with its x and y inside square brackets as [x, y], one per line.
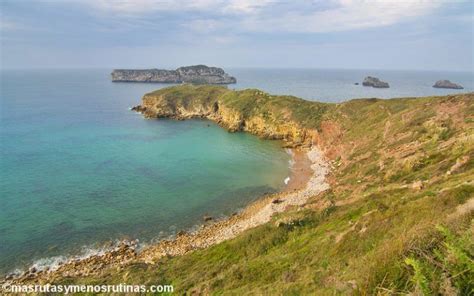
[375, 82]
[207, 218]
[447, 84]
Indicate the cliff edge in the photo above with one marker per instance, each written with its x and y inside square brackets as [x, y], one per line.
[286, 118]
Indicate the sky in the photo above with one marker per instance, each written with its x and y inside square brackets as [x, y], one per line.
[347, 34]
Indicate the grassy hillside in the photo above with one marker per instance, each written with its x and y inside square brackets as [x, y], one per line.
[247, 103]
[275, 117]
[398, 217]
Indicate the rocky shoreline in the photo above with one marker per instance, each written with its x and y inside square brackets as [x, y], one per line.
[309, 179]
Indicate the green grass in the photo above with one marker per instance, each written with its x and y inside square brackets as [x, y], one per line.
[247, 103]
[379, 236]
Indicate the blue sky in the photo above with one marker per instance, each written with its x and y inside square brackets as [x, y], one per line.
[377, 34]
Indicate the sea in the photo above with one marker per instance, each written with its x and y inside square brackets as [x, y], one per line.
[79, 170]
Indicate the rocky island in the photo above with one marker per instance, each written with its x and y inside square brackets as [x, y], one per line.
[447, 84]
[199, 74]
[375, 82]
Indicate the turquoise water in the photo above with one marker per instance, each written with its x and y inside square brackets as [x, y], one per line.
[77, 168]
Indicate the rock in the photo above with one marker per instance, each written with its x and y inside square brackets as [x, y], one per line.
[204, 74]
[199, 74]
[207, 218]
[9, 276]
[276, 201]
[137, 108]
[447, 84]
[417, 185]
[374, 82]
[461, 161]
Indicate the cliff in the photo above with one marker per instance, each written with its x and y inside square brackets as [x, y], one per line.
[199, 74]
[286, 118]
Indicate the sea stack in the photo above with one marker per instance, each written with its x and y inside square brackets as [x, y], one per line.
[199, 74]
[375, 82]
[447, 84]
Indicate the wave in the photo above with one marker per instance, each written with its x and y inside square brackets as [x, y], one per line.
[55, 262]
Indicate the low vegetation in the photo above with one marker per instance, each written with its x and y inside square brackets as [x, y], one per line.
[397, 220]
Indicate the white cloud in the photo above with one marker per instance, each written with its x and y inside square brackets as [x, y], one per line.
[344, 15]
[276, 16]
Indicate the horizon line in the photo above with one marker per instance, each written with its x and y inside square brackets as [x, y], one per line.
[237, 67]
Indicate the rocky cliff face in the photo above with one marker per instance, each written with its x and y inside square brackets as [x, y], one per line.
[260, 115]
[199, 74]
[204, 75]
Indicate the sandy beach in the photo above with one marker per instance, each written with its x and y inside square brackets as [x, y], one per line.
[301, 170]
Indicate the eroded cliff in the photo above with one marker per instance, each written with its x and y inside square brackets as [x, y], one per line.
[252, 111]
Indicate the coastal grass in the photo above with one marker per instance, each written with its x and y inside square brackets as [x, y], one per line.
[308, 256]
[246, 103]
[399, 217]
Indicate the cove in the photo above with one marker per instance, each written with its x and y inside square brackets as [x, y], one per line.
[78, 169]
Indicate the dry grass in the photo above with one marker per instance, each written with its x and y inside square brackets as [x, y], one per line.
[401, 168]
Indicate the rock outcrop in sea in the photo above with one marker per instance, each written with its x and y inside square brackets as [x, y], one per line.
[199, 74]
[374, 82]
[447, 84]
